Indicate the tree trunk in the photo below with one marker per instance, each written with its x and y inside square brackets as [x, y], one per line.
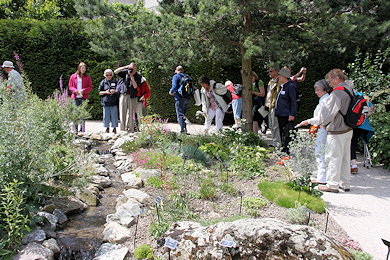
[246, 74]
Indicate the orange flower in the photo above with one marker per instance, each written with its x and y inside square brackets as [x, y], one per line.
[286, 158]
[280, 163]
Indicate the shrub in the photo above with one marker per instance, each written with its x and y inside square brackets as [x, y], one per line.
[158, 228]
[252, 205]
[248, 161]
[207, 189]
[14, 219]
[144, 251]
[297, 215]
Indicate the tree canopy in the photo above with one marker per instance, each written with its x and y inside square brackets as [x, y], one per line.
[191, 32]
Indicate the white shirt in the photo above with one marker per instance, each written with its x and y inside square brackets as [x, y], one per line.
[79, 86]
[316, 120]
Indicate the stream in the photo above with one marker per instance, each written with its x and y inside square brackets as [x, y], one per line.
[83, 233]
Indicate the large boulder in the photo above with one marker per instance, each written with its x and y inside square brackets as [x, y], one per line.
[253, 239]
[34, 251]
[115, 233]
[140, 196]
[68, 205]
[109, 251]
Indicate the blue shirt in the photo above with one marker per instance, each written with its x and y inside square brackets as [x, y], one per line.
[175, 86]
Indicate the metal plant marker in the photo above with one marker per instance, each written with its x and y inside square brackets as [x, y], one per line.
[310, 211]
[136, 224]
[226, 167]
[226, 244]
[171, 244]
[387, 243]
[158, 201]
[241, 194]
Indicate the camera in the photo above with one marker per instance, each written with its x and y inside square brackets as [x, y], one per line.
[131, 70]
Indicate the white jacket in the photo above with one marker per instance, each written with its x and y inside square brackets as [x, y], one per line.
[220, 90]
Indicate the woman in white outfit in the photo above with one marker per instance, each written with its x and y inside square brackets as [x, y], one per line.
[322, 89]
[213, 104]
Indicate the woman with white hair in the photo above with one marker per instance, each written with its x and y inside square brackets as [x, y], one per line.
[321, 88]
[107, 89]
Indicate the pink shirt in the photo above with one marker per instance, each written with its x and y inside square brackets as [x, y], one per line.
[86, 85]
[213, 105]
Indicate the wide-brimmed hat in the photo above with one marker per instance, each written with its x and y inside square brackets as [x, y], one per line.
[284, 72]
[7, 64]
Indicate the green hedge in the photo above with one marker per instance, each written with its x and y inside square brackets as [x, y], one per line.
[49, 49]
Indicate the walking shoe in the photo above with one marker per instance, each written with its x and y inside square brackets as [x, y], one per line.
[320, 183]
[107, 130]
[327, 189]
[344, 189]
[114, 130]
[354, 169]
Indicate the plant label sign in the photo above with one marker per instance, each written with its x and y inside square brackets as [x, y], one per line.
[142, 211]
[308, 210]
[171, 243]
[240, 193]
[227, 243]
[158, 199]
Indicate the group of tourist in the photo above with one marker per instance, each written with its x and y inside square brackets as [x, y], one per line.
[129, 94]
[274, 107]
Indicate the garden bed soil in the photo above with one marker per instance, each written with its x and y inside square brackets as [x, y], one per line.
[224, 205]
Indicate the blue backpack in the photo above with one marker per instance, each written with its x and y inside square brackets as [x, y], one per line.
[187, 87]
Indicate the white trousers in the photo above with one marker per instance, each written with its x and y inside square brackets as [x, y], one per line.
[338, 158]
[320, 155]
[219, 115]
[274, 127]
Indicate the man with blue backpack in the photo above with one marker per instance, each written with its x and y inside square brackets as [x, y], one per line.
[182, 88]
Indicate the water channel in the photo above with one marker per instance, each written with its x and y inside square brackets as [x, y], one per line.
[83, 233]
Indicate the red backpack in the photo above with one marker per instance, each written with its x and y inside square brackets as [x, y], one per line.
[357, 109]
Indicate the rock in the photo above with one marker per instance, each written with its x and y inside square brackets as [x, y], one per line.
[128, 176]
[131, 181]
[34, 251]
[122, 199]
[106, 136]
[120, 141]
[96, 137]
[62, 218]
[49, 208]
[52, 219]
[126, 166]
[52, 245]
[145, 174]
[115, 233]
[118, 163]
[88, 197]
[140, 196]
[135, 183]
[120, 153]
[101, 181]
[102, 171]
[125, 214]
[37, 235]
[121, 158]
[82, 143]
[109, 251]
[94, 188]
[254, 239]
[68, 205]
